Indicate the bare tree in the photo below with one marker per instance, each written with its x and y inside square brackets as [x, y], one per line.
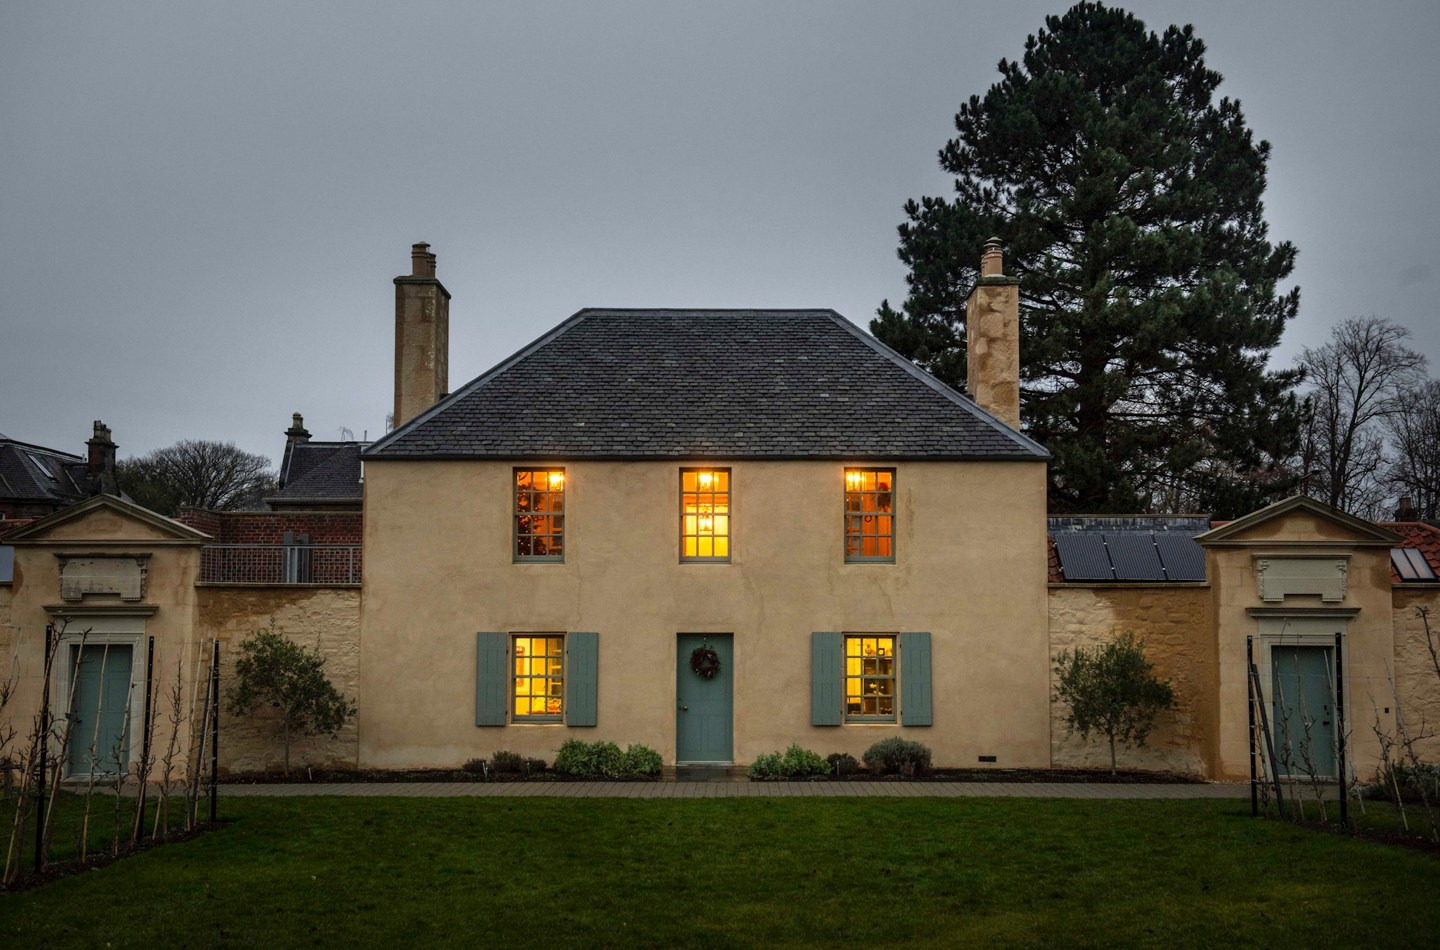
[1414, 429]
[219, 476]
[1356, 382]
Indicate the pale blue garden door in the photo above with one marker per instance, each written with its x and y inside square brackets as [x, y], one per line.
[1302, 678]
[705, 709]
[99, 729]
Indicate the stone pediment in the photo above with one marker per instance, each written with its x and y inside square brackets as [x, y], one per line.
[1299, 521]
[105, 520]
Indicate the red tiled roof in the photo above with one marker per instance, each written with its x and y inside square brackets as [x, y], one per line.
[1420, 536]
[10, 524]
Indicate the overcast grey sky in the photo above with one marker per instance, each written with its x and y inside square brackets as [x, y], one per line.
[202, 205]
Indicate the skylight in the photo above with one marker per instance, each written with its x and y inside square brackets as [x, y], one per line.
[1411, 565]
[42, 463]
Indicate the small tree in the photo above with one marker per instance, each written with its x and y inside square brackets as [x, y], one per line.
[1111, 689]
[274, 671]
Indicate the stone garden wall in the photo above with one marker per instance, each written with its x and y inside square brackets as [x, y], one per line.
[324, 617]
[1176, 624]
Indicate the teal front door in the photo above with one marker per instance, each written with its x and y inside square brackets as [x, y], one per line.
[99, 727]
[705, 708]
[1302, 680]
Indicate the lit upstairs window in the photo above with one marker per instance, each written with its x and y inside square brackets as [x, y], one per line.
[869, 515]
[705, 514]
[539, 514]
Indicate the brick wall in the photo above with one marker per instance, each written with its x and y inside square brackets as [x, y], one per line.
[249, 546]
[269, 527]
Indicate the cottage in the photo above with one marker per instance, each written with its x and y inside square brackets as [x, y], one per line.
[549, 546]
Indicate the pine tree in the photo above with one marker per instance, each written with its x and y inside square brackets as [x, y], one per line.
[1129, 202]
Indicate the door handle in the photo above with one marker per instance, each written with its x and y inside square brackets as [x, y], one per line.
[684, 708]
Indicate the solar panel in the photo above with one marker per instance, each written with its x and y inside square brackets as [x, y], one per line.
[1133, 554]
[1083, 557]
[1411, 565]
[1184, 560]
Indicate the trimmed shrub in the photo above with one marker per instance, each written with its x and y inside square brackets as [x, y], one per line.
[794, 762]
[842, 763]
[765, 767]
[642, 761]
[534, 765]
[503, 761]
[896, 756]
[800, 762]
[605, 760]
[477, 766]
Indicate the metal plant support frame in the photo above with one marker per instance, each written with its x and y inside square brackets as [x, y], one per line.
[1258, 762]
[1257, 704]
[1341, 768]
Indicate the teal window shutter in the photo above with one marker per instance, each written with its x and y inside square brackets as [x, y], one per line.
[915, 703]
[582, 674]
[491, 682]
[827, 681]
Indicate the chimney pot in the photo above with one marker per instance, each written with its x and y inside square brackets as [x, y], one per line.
[422, 262]
[992, 262]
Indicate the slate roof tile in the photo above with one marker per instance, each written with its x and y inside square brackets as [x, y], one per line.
[706, 383]
[35, 473]
[329, 471]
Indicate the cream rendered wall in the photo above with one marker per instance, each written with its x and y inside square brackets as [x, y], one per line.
[170, 591]
[1369, 647]
[970, 569]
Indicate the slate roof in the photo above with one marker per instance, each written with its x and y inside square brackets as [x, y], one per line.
[322, 471]
[34, 473]
[641, 384]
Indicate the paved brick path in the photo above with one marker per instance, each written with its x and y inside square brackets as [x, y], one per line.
[737, 790]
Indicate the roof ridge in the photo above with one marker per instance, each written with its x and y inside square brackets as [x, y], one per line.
[637, 311]
[31, 447]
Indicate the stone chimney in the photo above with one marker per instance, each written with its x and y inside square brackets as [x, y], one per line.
[100, 459]
[1407, 511]
[422, 337]
[297, 431]
[992, 338]
[100, 462]
[297, 434]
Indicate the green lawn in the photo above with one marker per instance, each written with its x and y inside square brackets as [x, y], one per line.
[855, 872]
